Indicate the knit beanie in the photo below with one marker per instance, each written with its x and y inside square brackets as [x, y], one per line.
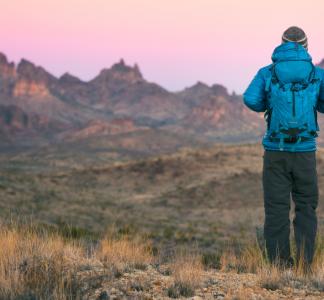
[295, 34]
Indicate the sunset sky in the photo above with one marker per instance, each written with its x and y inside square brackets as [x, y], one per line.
[175, 42]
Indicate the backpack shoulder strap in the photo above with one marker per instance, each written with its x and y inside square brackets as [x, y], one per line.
[270, 78]
[274, 77]
[311, 76]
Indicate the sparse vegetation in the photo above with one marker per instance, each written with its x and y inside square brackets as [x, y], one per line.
[187, 270]
[247, 258]
[40, 263]
[214, 202]
[41, 266]
[178, 290]
[125, 253]
[252, 259]
[196, 205]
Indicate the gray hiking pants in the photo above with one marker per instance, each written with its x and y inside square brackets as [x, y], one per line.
[289, 175]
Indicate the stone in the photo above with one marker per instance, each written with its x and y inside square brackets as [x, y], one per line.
[103, 296]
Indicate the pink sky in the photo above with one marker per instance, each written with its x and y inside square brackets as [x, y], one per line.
[175, 42]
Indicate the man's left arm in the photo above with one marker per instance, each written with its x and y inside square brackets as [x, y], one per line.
[320, 101]
[255, 96]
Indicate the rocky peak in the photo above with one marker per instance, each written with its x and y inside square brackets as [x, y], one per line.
[121, 67]
[3, 59]
[69, 79]
[28, 71]
[200, 84]
[137, 70]
[6, 69]
[219, 90]
[194, 94]
[121, 72]
[199, 87]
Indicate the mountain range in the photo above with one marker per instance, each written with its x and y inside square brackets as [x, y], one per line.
[37, 108]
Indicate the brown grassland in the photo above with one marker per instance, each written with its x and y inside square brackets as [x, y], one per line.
[177, 225]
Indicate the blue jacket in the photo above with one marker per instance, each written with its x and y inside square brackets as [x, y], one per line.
[296, 68]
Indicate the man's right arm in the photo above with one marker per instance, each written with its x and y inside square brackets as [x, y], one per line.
[254, 96]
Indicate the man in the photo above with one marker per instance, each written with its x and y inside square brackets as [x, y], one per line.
[290, 91]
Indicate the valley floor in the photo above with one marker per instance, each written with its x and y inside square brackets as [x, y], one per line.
[208, 201]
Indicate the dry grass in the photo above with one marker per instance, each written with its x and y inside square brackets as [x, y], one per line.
[298, 276]
[252, 259]
[273, 278]
[40, 266]
[125, 252]
[44, 265]
[187, 270]
[248, 259]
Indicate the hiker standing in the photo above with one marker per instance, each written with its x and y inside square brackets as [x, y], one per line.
[290, 91]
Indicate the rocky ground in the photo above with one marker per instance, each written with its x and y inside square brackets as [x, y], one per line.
[157, 282]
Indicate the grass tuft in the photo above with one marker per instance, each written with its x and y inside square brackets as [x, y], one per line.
[125, 253]
[42, 267]
[187, 270]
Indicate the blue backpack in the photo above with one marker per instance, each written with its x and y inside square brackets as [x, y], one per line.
[291, 108]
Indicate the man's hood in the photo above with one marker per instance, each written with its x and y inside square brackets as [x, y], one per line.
[294, 63]
[290, 51]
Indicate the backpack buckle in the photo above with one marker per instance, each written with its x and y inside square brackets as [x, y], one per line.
[292, 139]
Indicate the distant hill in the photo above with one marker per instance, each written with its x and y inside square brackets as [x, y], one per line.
[321, 64]
[37, 106]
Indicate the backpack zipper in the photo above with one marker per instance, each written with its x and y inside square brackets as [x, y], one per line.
[293, 103]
